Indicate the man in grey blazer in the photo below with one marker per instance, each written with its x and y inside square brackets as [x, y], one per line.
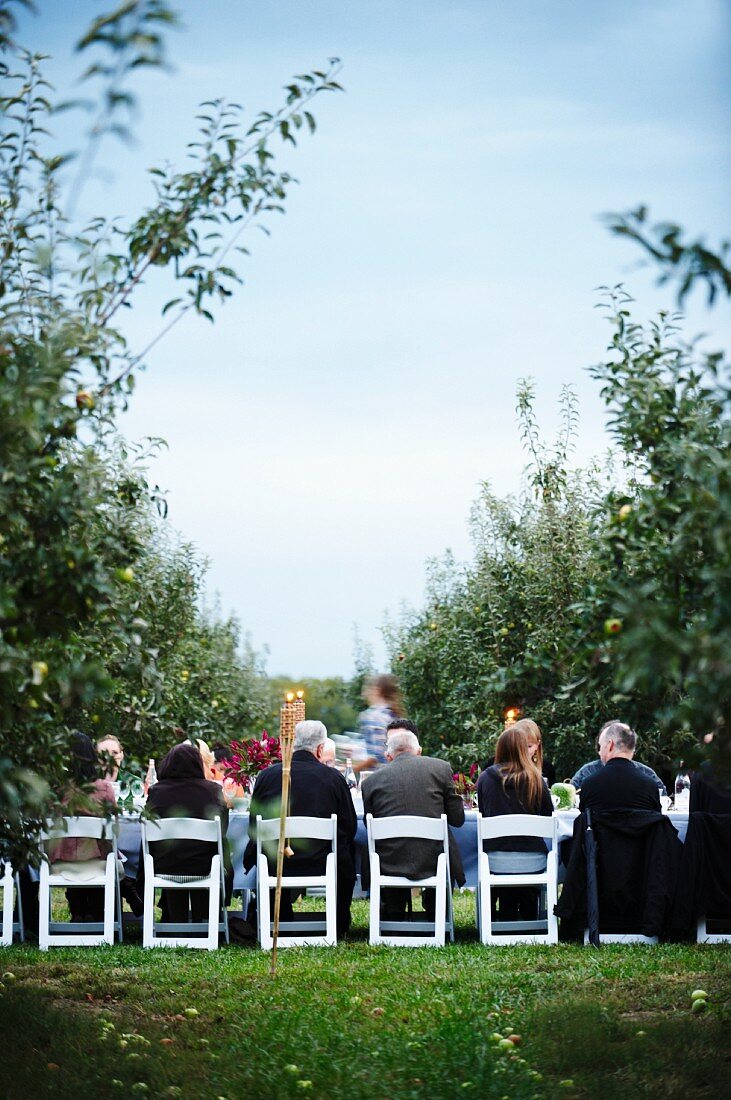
[422, 786]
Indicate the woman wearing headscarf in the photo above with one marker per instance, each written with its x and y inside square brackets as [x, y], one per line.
[182, 790]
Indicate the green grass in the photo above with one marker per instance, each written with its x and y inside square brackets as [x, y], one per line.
[356, 1022]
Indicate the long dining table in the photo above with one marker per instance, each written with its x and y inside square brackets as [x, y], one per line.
[238, 834]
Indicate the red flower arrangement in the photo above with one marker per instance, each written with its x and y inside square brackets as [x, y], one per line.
[466, 785]
[248, 758]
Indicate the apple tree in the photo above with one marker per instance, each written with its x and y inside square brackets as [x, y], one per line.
[72, 543]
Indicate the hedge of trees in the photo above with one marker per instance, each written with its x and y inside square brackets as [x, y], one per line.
[595, 593]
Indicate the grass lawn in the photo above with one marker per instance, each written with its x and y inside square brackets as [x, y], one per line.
[352, 1022]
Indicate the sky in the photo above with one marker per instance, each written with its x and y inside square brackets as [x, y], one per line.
[328, 434]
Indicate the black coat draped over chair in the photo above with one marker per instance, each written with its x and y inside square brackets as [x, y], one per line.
[638, 855]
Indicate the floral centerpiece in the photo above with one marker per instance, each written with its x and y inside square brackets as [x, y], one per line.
[248, 758]
[465, 784]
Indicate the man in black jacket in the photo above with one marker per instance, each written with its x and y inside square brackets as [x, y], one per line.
[315, 791]
[618, 785]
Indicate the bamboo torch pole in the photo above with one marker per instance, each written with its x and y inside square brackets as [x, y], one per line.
[286, 740]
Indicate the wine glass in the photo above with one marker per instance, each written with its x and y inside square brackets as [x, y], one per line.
[123, 789]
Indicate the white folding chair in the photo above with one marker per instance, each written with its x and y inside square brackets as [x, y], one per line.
[188, 933]
[101, 873]
[704, 936]
[493, 872]
[315, 931]
[10, 882]
[396, 932]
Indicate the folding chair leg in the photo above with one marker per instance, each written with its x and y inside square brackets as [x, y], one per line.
[375, 906]
[263, 911]
[7, 889]
[331, 902]
[110, 895]
[440, 910]
[450, 913]
[44, 910]
[213, 913]
[148, 913]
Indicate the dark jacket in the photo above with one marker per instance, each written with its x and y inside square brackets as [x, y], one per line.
[619, 785]
[183, 791]
[704, 887]
[708, 794]
[315, 791]
[495, 800]
[421, 786]
[637, 864]
[587, 770]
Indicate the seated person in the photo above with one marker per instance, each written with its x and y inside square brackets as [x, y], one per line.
[619, 783]
[595, 766]
[209, 759]
[315, 791]
[417, 785]
[77, 858]
[514, 785]
[535, 746]
[182, 790]
[111, 755]
[216, 762]
[330, 753]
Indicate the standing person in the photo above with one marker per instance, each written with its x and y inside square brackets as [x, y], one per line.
[182, 790]
[76, 858]
[382, 695]
[535, 746]
[514, 785]
[418, 785]
[315, 791]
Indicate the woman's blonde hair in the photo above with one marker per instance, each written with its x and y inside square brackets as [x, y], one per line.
[532, 729]
[513, 757]
[207, 756]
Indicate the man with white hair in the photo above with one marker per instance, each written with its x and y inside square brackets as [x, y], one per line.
[329, 753]
[419, 785]
[315, 791]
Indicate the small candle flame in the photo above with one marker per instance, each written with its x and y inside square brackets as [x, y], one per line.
[290, 696]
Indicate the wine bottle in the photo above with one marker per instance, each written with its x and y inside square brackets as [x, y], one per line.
[150, 778]
[350, 777]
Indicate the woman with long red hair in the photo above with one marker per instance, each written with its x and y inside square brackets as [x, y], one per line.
[514, 785]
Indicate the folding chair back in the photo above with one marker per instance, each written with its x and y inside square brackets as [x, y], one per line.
[80, 933]
[544, 929]
[11, 926]
[184, 934]
[305, 930]
[405, 933]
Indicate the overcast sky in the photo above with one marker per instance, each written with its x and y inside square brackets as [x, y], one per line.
[329, 433]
